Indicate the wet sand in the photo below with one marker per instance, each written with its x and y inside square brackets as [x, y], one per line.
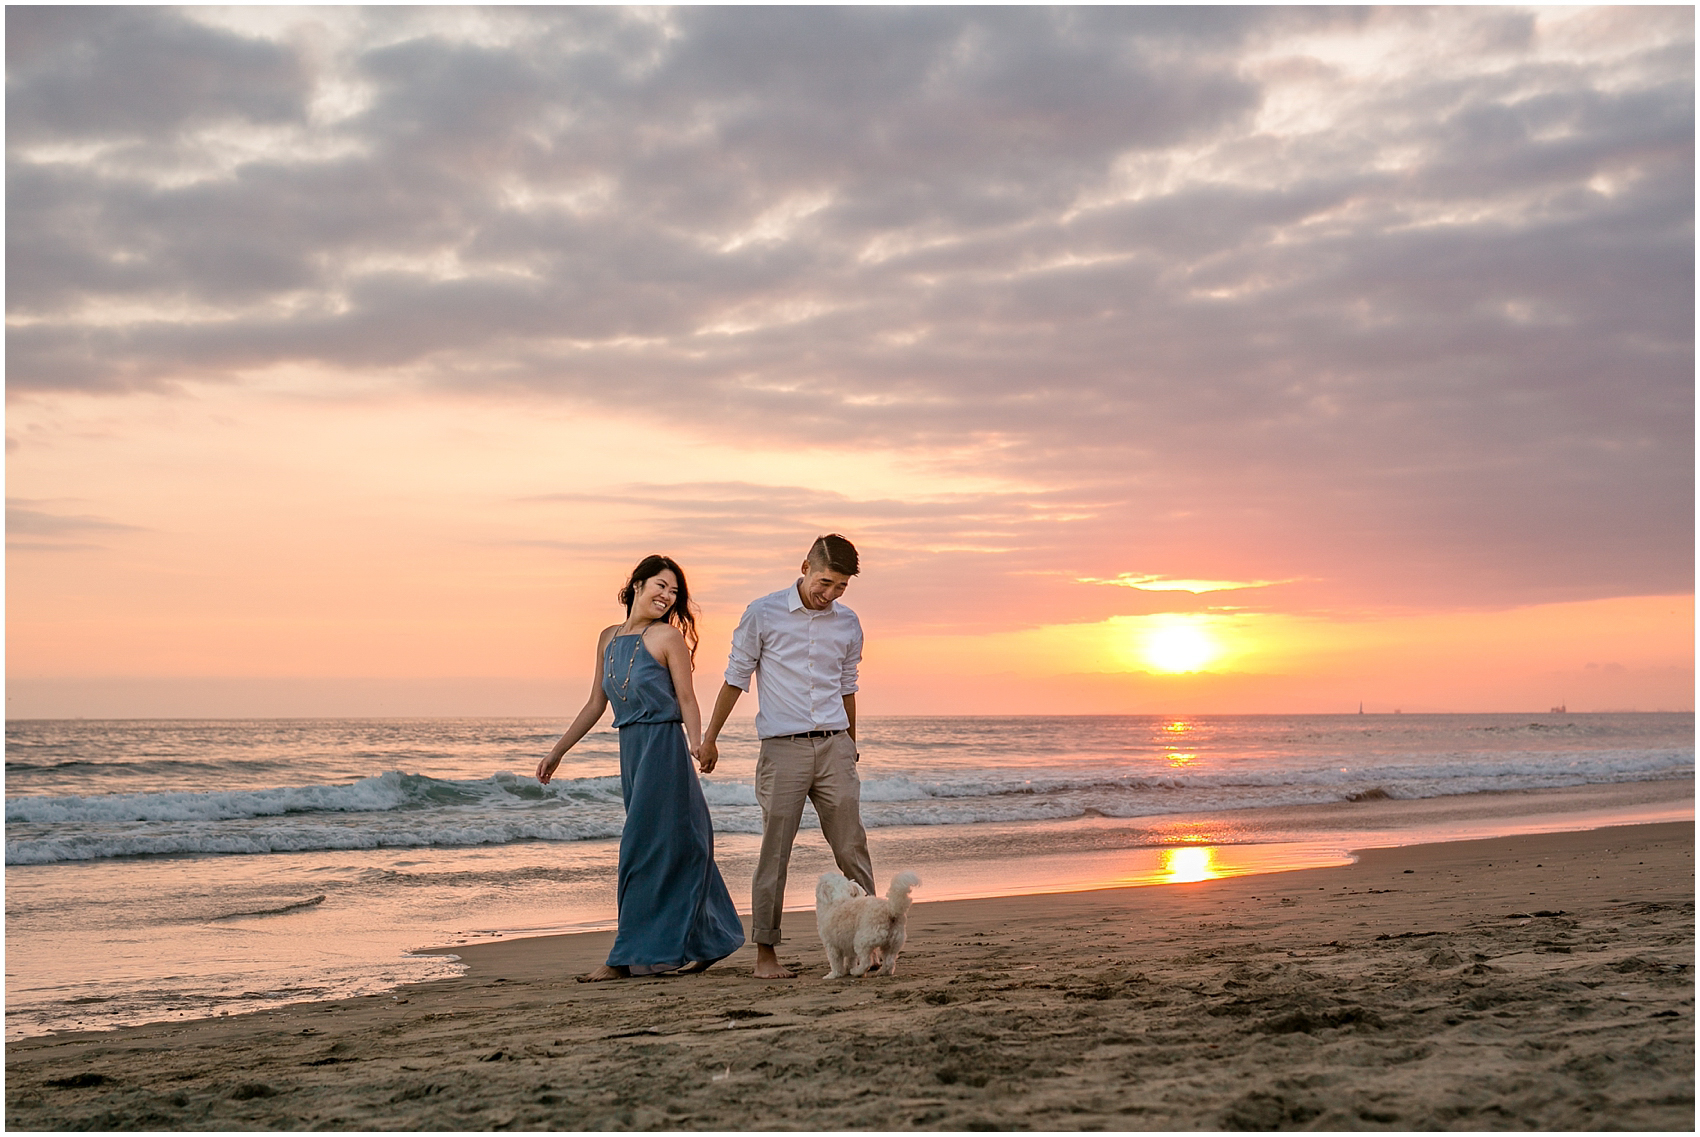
[1533, 982]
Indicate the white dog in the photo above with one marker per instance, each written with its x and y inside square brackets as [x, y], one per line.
[862, 931]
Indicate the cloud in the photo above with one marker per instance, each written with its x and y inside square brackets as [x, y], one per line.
[133, 74]
[1396, 299]
[1146, 582]
[927, 562]
[30, 528]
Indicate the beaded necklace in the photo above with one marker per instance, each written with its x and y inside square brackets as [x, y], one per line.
[609, 669]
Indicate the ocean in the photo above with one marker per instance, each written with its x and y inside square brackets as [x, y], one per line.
[171, 869]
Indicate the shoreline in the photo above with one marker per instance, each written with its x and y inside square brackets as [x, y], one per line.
[1090, 853]
[513, 953]
[1534, 981]
[337, 951]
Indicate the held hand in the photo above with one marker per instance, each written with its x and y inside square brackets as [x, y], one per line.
[707, 756]
[546, 769]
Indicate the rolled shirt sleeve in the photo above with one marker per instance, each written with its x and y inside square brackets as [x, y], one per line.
[852, 659]
[741, 661]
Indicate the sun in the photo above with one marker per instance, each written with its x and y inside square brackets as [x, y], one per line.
[1179, 647]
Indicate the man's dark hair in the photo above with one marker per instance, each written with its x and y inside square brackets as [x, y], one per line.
[834, 552]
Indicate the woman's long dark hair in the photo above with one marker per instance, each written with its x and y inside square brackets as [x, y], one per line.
[679, 615]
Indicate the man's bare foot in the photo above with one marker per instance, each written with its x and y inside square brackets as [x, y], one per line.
[767, 964]
[601, 973]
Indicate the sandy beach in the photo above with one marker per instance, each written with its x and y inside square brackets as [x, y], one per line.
[1532, 982]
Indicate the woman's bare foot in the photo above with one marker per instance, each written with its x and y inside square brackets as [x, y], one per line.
[601, 973]
[767, 964]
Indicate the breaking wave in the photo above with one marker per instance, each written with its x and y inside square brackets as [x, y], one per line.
[398, 810]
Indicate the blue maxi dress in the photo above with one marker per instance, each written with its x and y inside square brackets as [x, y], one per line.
[674, 907]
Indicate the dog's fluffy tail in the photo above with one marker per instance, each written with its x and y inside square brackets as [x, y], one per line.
[898, 893]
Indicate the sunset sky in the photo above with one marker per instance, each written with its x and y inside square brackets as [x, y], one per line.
[1157, 360]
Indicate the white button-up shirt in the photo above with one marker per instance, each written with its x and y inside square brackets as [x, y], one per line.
[806, 662]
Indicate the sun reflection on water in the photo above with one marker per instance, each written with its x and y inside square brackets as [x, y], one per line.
[1184, 865]
[1179, 726]
[1180, 761]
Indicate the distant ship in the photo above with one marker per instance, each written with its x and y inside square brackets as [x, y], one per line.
[1559, 710]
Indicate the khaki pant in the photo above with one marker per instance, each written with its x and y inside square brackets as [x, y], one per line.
[789, 772]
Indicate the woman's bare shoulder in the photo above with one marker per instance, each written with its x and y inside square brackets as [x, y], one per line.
[660, 634]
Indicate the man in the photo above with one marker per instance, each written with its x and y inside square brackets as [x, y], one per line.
[805, 648]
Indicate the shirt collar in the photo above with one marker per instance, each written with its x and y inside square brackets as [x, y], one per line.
[794, 600]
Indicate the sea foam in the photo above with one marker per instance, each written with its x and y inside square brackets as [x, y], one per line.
[399, 810]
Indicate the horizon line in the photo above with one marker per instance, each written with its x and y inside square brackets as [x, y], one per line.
[1401, 713]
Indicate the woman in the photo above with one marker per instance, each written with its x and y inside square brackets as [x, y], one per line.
[674, 908]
